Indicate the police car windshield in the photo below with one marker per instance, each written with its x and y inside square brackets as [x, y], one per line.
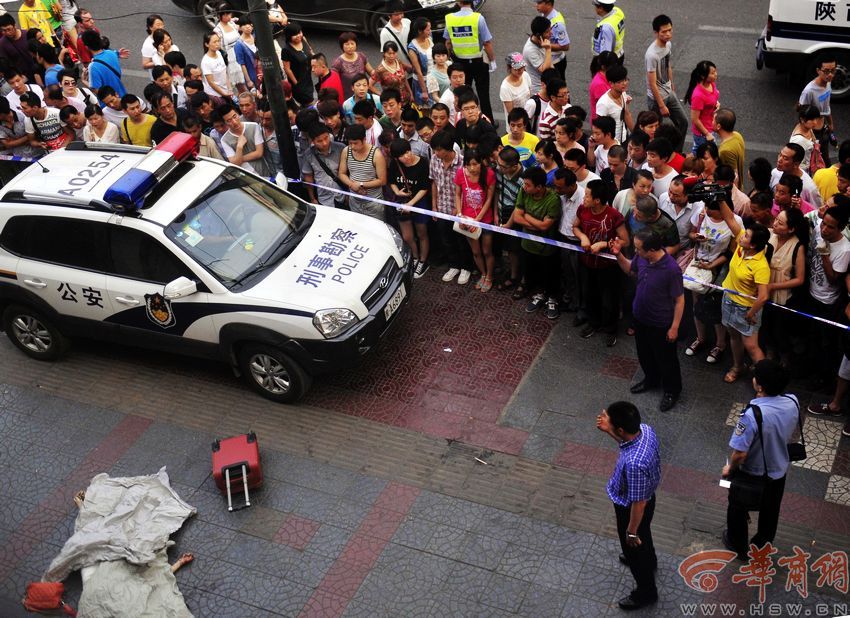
[237, 225]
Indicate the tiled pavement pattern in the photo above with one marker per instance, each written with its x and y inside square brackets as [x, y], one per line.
[364, 518]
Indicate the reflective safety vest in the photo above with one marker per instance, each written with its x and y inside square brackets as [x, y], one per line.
[617, 20]
[559, 19]
[463, 34]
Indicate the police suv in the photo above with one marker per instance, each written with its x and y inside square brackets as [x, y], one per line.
[161, 249]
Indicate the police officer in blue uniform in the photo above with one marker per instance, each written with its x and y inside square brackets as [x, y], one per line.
[560, 38]
[780, 413]
[467, 37]
[610, 31]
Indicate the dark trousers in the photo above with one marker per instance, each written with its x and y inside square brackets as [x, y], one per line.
[478, 73]
[642, 559]
[658, 358]
[602, 296]
[543, 273]
[823, 354]
[561, 68]
[455, 246]
[823, 139]
[570, 277]
[736, 518]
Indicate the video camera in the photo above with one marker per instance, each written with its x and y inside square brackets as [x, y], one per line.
[708, 192]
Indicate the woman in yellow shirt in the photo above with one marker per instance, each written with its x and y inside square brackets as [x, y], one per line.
[34, 14]
[749, 276]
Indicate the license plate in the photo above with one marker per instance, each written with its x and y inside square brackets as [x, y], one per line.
[395, 302]
[425, 4]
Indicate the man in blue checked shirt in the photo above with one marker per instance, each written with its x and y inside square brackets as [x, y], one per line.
[632, 490]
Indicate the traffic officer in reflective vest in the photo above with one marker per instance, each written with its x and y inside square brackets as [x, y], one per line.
[610, 29]
[466, 34]
[560, 39]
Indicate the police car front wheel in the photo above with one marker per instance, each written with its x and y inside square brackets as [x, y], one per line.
[33, 334]
[273, 374]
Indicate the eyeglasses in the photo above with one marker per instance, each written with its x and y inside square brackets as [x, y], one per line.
[69, 83]
[827, 71]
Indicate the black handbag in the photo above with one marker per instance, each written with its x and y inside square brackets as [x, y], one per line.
[797, 451]
[746, 490]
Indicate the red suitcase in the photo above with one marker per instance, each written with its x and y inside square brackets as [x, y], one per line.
[237, 459]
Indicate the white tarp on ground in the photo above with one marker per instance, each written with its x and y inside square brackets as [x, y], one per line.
[120, 540]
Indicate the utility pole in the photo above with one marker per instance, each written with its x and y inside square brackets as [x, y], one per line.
[272, 76]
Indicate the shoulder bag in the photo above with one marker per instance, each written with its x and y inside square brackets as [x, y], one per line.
[108, 66]
[746, 490]
[475, 232]
[340, 201]
[797, 450]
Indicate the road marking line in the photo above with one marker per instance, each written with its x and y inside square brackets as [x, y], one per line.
[730, 29]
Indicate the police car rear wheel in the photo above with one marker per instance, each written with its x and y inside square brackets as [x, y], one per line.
[375, 22]
[33, 334]
[208, 9]
[273, 374]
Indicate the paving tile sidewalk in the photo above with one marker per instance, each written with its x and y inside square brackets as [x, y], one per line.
[325, 539]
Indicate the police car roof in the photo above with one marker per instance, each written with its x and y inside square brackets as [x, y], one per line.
[83, 175]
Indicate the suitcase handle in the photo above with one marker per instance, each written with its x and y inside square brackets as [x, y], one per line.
[243, 468]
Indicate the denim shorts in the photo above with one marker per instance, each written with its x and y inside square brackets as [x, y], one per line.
[734, 317]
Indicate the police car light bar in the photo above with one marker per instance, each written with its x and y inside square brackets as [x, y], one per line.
[129, 191]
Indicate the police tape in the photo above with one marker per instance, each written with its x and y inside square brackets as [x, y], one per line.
[454, 218]
[770, 302]
[556, 243]
[18, 158]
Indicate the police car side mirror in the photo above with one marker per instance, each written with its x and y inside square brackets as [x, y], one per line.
[180, 288]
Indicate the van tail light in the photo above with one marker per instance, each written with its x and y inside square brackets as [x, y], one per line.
[769, 30]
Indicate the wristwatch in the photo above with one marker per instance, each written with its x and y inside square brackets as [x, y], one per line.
[631, 536]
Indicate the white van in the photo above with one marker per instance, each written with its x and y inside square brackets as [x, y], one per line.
[799, 32]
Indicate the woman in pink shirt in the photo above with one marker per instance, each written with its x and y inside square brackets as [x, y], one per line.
[786, 194]
[704, 98]
[475, 185]
[599, 85]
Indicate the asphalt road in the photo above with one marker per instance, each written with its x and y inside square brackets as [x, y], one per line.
[724, 34]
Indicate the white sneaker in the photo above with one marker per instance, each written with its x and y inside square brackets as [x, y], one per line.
[451, 273]
[464, 277]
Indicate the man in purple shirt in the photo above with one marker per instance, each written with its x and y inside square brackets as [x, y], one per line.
[14, 46]
[631, 488]
[657, 309]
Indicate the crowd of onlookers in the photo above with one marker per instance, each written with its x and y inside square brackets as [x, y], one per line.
[416, 127]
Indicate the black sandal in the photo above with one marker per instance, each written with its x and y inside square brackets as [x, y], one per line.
[519, 292]
[506, 284]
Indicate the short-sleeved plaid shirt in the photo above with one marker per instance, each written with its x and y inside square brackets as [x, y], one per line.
[638, 471]
[444, 181]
